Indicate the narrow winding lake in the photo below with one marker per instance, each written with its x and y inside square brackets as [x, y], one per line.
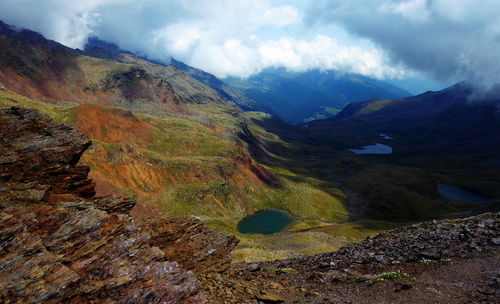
[265, 222]
[373, 149]
[456, 193]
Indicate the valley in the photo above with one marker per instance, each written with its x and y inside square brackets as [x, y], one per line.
[299, 97]
[182, 148]
[62, 243]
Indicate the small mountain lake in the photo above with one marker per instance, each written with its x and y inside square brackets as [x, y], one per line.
[455, 193]
[265, 222]
[385, 136]
[376, 148]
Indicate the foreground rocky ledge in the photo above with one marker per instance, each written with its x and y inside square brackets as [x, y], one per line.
[60, 244]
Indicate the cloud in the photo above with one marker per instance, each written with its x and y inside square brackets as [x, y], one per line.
[325, 53]
[447, 38]
[224, 37]
[68, 22]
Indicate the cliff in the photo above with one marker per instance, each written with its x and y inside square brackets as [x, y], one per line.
[61, 244]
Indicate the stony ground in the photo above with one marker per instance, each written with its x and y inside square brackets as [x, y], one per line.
[450, 261]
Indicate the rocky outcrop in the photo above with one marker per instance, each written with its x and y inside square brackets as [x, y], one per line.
[39, 159]
[60, 244]
[57, 255]
[191, 244]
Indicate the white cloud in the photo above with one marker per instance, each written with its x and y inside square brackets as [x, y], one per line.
[224, 37]
[414, 10]
[69, 22]
[325, 53]
[280, 16]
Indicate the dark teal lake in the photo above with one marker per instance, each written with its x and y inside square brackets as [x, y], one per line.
[265, 222]
[376, 148]
[456, 193]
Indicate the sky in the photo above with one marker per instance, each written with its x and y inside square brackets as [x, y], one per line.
[441, 41]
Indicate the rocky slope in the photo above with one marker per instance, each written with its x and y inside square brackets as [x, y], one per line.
[60, 243]
[448, 261]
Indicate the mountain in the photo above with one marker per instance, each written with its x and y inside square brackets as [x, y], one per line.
[112, 193]
[298, 97]
[45, 70]
[167, 140]
[102, 49]
[315, 94]
[451, 120]
[221, 87]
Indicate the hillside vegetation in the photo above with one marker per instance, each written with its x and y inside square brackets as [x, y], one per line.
[182, 149]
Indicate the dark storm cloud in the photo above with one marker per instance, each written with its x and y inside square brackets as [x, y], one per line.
[448, 38]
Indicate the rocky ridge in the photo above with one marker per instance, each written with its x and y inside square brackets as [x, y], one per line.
[60, 243]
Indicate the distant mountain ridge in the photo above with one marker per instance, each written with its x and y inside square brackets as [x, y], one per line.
[314, 94]
[46, 70]
[449, 120]
[295, 97]
[102, 49]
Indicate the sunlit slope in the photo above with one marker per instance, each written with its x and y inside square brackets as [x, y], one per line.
[45, 70]
[191, 166]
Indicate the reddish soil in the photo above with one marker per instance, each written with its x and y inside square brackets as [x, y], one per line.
[111, 125]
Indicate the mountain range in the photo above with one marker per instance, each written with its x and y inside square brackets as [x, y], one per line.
[180, 143]
[295, 97]
[299, 97]
[181, 104]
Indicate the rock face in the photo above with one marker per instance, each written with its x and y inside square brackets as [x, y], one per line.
[38, 159]
[59, 244]
[191, 244]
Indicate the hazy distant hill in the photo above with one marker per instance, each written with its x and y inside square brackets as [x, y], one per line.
[299, 97]
[447, 121]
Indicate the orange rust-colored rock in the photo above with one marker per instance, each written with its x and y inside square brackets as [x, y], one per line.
[248, 167]
[111, 125]
[127, 168]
